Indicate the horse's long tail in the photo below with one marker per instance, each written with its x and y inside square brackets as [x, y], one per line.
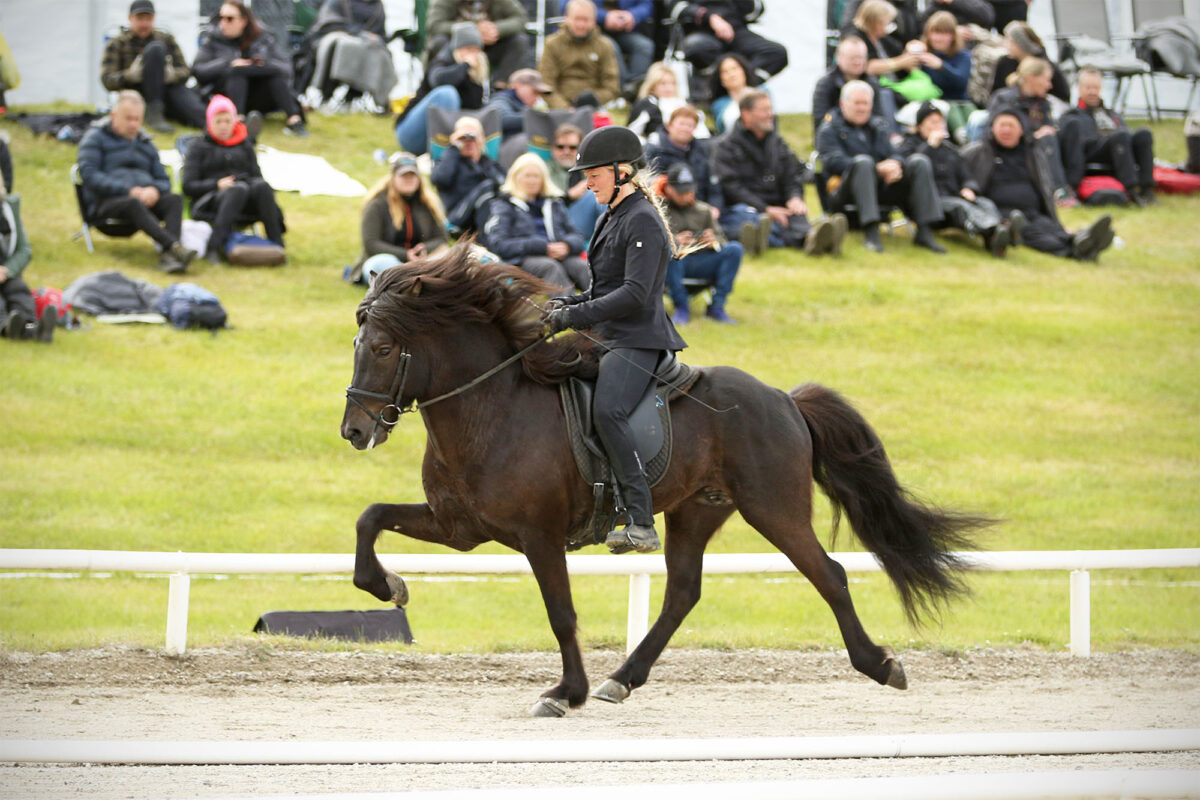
[912, 541]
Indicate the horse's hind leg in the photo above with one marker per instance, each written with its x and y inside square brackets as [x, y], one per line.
[411, 519]
[689, 527]
[789, 528]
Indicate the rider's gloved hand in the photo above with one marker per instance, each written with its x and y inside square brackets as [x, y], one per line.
[557, 319]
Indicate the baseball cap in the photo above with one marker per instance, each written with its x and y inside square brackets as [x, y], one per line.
[530, 77]
[680, 178]
[141, 7]
[403, 162]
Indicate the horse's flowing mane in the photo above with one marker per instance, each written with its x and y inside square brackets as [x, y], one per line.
[452, 289]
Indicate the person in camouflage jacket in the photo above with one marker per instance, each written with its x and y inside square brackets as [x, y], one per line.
[150, 62]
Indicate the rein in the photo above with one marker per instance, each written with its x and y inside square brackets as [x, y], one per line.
[392, 399]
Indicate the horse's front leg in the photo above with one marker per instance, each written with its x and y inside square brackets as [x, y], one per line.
[411, 519]
[549, 564]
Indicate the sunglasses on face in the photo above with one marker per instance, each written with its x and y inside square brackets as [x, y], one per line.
[566, 146]
[224, 18]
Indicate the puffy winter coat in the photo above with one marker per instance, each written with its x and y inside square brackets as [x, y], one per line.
[110, 165]
[512, 232]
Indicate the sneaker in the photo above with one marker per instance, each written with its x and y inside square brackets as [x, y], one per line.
[44, 332]
[642, 538]
[1090, 241]
[682, 316]
[717, 314]
[840, 226]
[296, 129]
[819, 239]
[1064, 198]
[254, 125]
[764, 233]
[1148, 195]
[748, 236]
[1016, 226]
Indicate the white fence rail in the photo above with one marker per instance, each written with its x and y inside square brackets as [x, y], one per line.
[639, 568]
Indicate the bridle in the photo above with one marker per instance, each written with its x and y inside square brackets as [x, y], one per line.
[391, 400]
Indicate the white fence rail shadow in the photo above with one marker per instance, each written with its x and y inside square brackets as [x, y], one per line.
[180, 566]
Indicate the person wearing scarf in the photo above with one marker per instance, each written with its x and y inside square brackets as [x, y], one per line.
[222, 179]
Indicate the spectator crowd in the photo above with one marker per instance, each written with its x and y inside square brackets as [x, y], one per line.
[947, 113]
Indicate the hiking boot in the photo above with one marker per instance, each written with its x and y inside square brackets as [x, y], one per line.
[819, 239]
[871, 239]
[1090, 241]
[924, 238]
[169, 264]
[840, 226]
[156, 121]
[748, 236]
[182, 254]
[44, 332]
[717, 314]
[682, 315]
[642, 538]
[15, 325]
[1016, 226]
[764, 233]
[1149, 197]
[997, 241]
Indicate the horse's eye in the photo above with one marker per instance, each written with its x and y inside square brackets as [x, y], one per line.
[385, 351]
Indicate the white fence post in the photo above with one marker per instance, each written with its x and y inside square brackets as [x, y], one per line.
[1081, 613]
[638, 621]
[177, 613]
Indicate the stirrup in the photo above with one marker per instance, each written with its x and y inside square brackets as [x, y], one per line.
[642, 538]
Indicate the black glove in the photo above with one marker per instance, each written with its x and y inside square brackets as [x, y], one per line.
[553, 303]
[558, 319]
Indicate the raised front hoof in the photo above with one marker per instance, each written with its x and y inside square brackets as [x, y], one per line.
[895, 676]
[611, 692]
[549, 707]
[399, 589]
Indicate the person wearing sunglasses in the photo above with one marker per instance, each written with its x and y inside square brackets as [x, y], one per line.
[241, 60]
[582, 207]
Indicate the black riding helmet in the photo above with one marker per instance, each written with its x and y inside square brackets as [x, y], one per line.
[610, 146]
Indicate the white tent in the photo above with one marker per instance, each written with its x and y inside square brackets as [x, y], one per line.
[58, 44]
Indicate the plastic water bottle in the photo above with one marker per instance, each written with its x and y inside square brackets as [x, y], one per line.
[380, 156]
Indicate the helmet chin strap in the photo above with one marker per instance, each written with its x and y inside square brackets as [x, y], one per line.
[618, 182]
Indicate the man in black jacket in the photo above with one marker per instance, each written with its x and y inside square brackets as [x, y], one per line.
[862, 168]
[719, 26]
[1092, 134]
[761, 177]
[850, 63]
[677, 143]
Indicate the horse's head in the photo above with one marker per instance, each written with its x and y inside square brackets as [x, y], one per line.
[430, 326]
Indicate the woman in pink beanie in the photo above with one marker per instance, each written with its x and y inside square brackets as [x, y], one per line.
[222, 178]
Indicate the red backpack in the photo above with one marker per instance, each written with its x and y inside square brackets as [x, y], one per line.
[1172, 181]
[49, 296]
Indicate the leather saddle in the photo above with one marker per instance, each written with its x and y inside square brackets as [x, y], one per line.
[651, 423]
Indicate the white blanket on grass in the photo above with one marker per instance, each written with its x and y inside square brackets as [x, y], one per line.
[291, 172]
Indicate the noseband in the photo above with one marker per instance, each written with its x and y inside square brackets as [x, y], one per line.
[392, 398]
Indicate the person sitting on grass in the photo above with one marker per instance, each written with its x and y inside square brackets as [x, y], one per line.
[465, 176]
[222, 179]
[529, 227]
[402, 219]
[579, 63]
[123, 178]
[715, 260]
[18, 313]
[1014, 174]
[962, 205]
[582, 206]
[863, 169]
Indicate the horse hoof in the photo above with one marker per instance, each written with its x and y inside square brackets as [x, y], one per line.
[399, 589]
[549, 707]
[896, 677]
[611, 692]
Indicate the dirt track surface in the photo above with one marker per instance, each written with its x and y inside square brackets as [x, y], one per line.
[280, 694]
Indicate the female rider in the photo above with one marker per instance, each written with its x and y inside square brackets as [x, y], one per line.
[628, 258]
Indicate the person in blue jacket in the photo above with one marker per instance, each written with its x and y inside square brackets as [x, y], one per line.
[529, 227]
[945, 59]
[628, 256]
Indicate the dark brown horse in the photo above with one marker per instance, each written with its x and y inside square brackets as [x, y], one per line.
[463, 342]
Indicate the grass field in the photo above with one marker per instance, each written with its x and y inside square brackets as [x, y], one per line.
[1061, 397]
